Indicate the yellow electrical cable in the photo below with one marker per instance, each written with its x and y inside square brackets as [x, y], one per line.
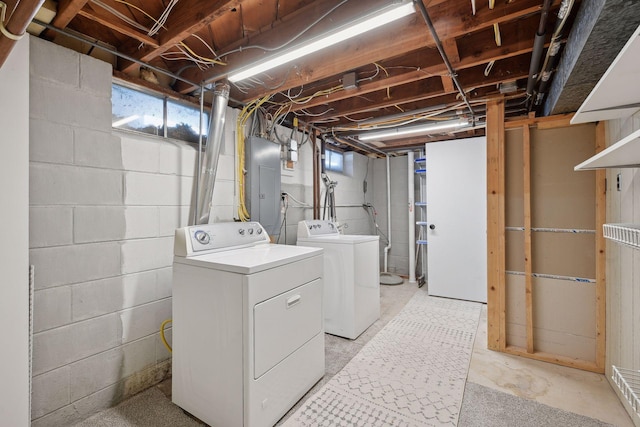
[164, 340]
[243, 117]
[205, 59]
[496, 32]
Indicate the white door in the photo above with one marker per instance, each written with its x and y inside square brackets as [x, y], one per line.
[457, 217]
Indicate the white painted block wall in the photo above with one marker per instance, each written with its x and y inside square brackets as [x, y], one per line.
[14, 255]
[103, 210]
[398, 259]
[623, 263]
[348, 193]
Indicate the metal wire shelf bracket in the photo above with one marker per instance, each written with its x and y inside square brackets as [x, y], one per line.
[628, 381]
[625, 234]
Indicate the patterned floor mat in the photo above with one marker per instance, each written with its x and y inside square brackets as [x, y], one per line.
[412, 373]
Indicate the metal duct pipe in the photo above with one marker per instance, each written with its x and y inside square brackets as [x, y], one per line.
[443, 54]
[207, 176]
[538, 47]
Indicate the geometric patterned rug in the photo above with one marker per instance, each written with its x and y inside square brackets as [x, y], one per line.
[412, 373]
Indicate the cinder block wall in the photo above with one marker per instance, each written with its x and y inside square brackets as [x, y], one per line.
[623, 264]
[348, 193]
[103, 210]
[398, 260]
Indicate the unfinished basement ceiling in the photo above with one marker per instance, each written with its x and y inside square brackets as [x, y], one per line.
[383, 76]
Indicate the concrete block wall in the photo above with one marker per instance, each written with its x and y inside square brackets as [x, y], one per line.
[349, 193]
[623, 264]
[104, 206]
[398, 258]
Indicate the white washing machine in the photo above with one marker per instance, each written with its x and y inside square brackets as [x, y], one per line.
[351, 277]
[248, 335]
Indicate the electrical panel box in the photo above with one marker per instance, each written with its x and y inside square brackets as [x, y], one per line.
[262, 186]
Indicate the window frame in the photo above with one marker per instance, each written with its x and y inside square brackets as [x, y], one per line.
[165, 98]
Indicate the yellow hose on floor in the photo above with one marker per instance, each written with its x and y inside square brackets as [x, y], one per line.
[164, 340]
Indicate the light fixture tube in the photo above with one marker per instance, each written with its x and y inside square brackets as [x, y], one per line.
[384, 16]
[401, 132]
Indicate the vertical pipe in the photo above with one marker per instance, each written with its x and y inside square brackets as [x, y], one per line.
[412, 217]
[388, 247]
[199, 165]
[212, 152]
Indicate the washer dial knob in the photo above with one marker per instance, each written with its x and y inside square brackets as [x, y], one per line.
[202, 237]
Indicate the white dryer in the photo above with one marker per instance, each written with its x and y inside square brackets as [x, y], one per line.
[248, 336]
[351, 277]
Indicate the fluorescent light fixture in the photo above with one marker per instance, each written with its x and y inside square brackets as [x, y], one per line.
[405, 131]
[390, 13]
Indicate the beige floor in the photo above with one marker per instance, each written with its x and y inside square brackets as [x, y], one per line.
[569, 389]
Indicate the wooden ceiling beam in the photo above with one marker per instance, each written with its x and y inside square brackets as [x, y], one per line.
[67, 10]
[188, 17]
[399, 38]
[104, 18]
[419, 141]
[478, 48]
[510, 68]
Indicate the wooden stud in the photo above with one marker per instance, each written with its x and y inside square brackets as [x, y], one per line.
[496, 320]
[550, 122]
[528, 262]
[601, 255]
[554, 358]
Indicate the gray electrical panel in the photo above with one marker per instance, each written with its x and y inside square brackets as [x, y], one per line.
[262, 192]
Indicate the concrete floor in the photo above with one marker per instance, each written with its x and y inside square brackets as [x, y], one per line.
[572, 390]
[568, 389]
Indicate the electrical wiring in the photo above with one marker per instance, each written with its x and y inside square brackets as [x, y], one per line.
[300, 204]
[245, 114]
[162, 337]
[122, 16]
[386, 73]
[202, 58]
[136, 8]
[3, 29]
[163, 18]
[288, 42]
[283, 224]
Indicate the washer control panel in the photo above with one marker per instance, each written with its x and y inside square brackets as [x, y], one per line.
[316, 227]
[218, 236]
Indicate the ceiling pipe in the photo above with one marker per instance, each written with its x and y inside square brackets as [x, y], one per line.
[17, 24]
[553, 52]
[538, 47]
[443, 54]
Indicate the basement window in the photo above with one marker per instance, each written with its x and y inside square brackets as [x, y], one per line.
[333, 161]
[138, 111]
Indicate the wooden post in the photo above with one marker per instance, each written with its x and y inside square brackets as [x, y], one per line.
[496, 321]
[601, 255]
[528, 264]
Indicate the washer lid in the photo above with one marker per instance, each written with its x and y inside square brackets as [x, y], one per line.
[346, 239]
[250, 260]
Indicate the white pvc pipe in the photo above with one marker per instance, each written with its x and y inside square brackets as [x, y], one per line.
[412, 218]
[388, 247]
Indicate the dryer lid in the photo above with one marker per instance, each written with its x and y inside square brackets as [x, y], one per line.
[252, 259]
